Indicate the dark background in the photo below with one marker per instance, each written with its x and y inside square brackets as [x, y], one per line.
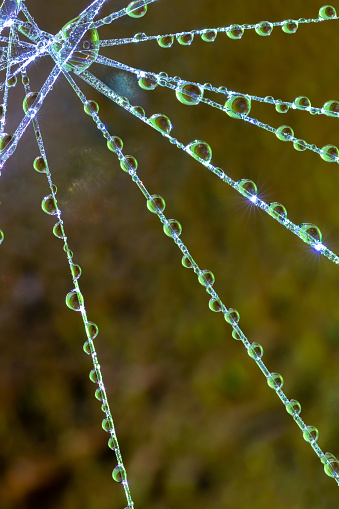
[197, 424]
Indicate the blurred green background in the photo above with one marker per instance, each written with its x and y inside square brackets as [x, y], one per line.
[197, 424]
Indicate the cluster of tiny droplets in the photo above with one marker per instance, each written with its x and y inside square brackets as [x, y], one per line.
[73, 49]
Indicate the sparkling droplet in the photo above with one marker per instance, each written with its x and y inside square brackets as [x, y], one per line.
[282, 107]
[74, 300]
[232, 316]
[161, 123]
[148, 82]
[235, 32]
[139, 111]
[129, 164]
[255, 351]
[236, 335]
[88, 347]
[115, 143]
[247, 188]
[95, 376]
[189, 94]
[91, 107]
[310, 230]
[300, 145]
[329, 153]
[2, 236]
[5, 140]
[264, 28]
[275, 381]
[92, 330]
[29, 101]
[327, 457]
[290, 26]
[332, 467]
[12, 81]
[238, 105]
[200, 150]
[119, 473]
[140, 36]
[206, 278]
[25, 80]
[187, 262]
[49, 205]
[293, 407]
[331, 108]
[166, 41]
[172, 228]
[135, 11]
[76, 271]
[156, 204]
[284, 133]
[113, 443]
[39, 164]
[327, 12]
[107, 425]
[185, 39]
[209, 35]
[57, 230]
[277, 211]
[100, 394]
[311, 434]
[302, 103]
[215, 305]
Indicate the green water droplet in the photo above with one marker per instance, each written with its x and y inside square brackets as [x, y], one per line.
[255, 351]
[139, 111]
[113, 443]
[332, 468]
[247, 188]
[119, 473]
[187, 262]
[200, 150]
[310, 230]
[172, 228]
[277, 211]
[290, 26]
[29, 101]
[215, 305]
[115, 143]
[235, 32]
[264, 28]
[209, 35]
[147, 82]
[12, 81]
[156, 204]
[311, 434]
[206, 278]
[300, 145]
[25, 80]
[2, 236]
[293, 407]
[91, 107]
[57, 230]
[161, 122]
[76, 271]
[327, 12]
[284, 132]
[275, 381]
[166, 41]
[49, 205]
[140, 36]
[302, 103]
[39, 164]
[95, 375]
[232, 316]
[5, 140]
[236, 335]
[100, 394]
[189, 94]
[88, 347]
[107, 425]
[185, 39]
[238, 105]
[282, 107]
[135, 10]
[329, 153]
[74, 300]
[129, 164]
[92, 330]
[331, 108]
[327, 457]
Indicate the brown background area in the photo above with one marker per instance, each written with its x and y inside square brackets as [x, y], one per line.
[197, 424]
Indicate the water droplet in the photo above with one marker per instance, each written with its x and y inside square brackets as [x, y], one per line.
[57, 230]
[275, 381]
[107, 425]
[200, 150]
[115, 143]
[88, 347]
[332, 467]
[92, 330]
[327, 12]
[148, 82]
[236, 335]
[119, 473]
[129, 163]
[189, 94]
[255, 351]
[91, 107]
[290, 26]
[76, 271]
[293, 407]
[215, 305]
[95, 376]
[232, 316]
[277, 211]
[300, 145]
[12, 81]
[264, 28]
[172, 228]
[49, 205]
[310, 230]
[329, 153]
[135, 10]
[331, 108]
[302, 103]
[39, 164]
[235, 32]
[328, 456]
[166, 41]
[74, 300]
[5, 140]
[238, 105]
[29, 100]
[156, 204]
[185, 39]
[139, 111]
[2, 236]
[284, 133]
[161, 123]
[113, 443]
[140, 36]
[310, 434]
[100, 395]
[247, 188]
[209, 35]
[206, 278]
[187, 262]
[282, 107]
[25, 80]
